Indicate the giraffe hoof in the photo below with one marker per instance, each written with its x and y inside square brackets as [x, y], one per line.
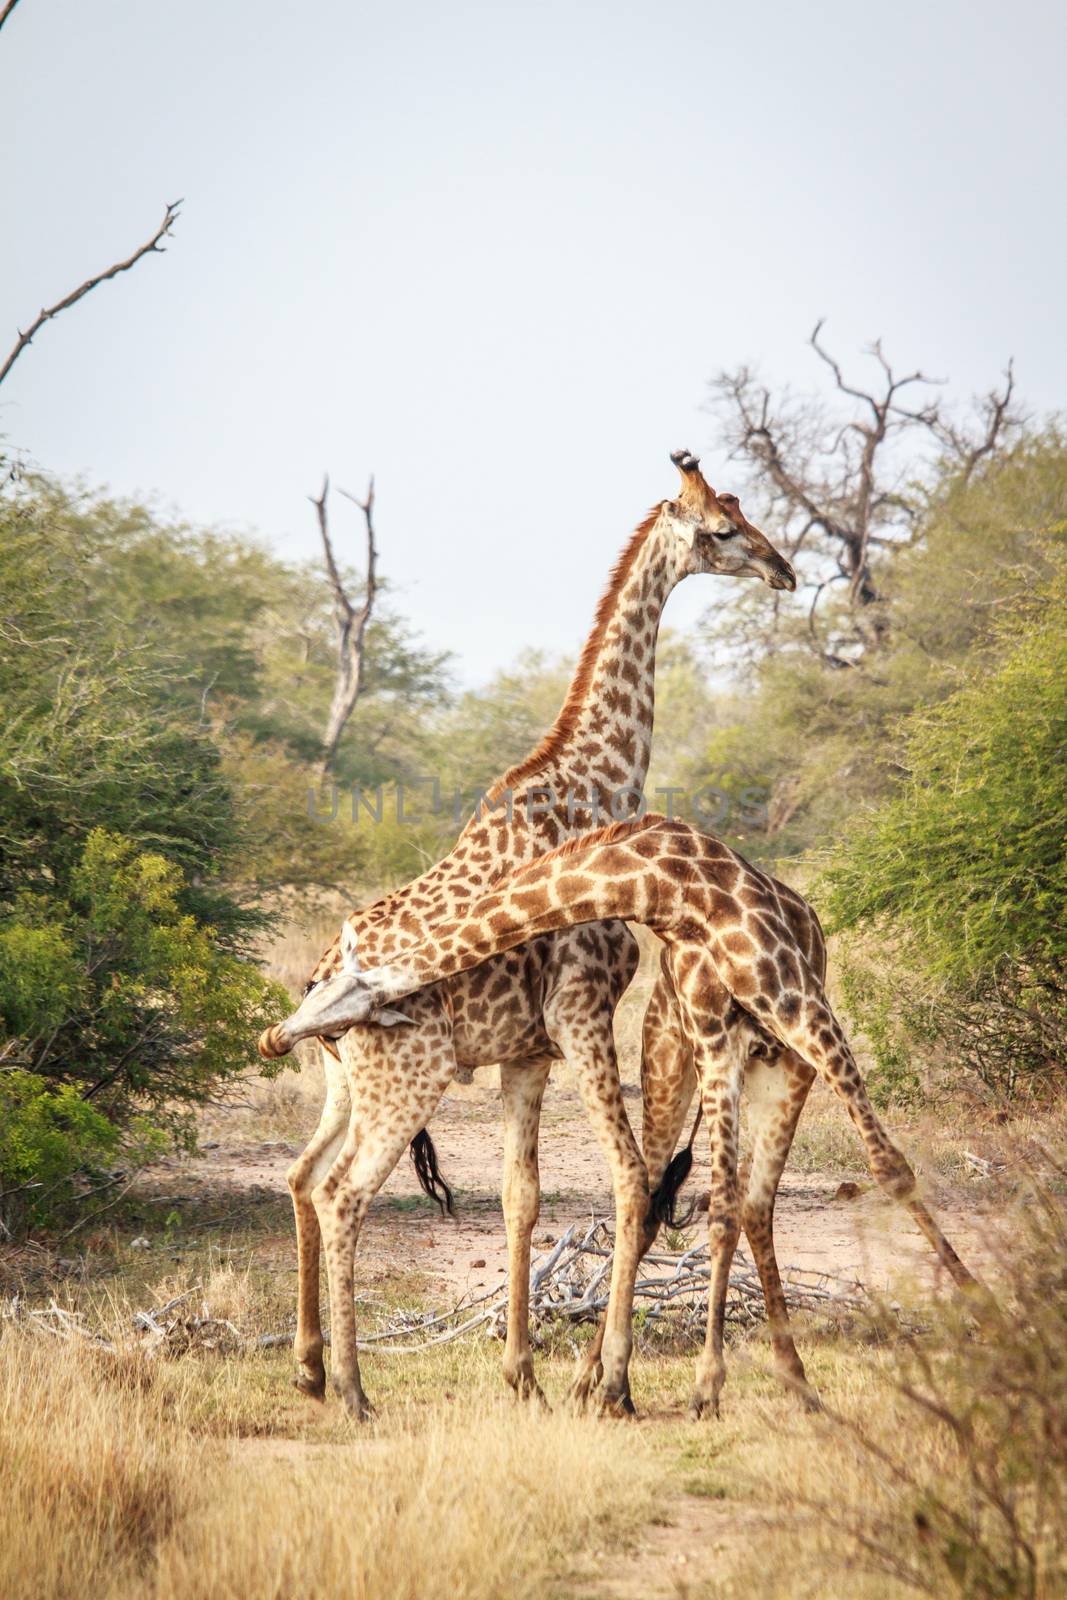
[581, 1390]
[311, 1386]
[531, 1393]
[701, 1406]
[357, 1406]
[795, 1380]
[521, 1381]
[616, 1405]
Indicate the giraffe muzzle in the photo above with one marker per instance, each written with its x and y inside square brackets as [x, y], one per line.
[274, 1042]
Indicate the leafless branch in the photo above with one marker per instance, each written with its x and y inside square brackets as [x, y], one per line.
[153, 246]
[350, 623]
[569, 1284]
[7, 10]
[832, 483]
[997, 418]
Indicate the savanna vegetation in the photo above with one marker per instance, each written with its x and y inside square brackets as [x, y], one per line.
[893, 739]
[165, 691]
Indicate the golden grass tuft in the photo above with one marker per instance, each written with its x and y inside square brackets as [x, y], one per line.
[95, 1473]
[488, 1506]
[110, 1491]
[941, 1468]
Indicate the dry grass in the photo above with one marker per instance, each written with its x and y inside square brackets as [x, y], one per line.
[206, 1476]
[97, 1470]
[944, 1471]
[492, 1505]
[113, 1488]
[284, 1109]
[302, 932]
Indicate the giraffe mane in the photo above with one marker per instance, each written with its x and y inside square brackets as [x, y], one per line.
[613, 833]
[565, 724]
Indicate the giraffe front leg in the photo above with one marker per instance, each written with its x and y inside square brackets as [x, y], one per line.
[720, 1068]
[521, 1091]
[305, 1173]
[395, 1086]
[602, 1094]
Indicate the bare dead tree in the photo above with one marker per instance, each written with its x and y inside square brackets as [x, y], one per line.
[967, 447]
[350, 622]
[152, 246]
[835, 488]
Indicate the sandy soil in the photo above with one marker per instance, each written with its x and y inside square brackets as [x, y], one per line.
[864, 1238]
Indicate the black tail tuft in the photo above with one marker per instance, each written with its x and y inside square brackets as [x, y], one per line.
[424, 1158]
[661, 1208]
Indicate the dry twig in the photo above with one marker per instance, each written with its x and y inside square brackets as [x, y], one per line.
[153, 246]
[7, 10]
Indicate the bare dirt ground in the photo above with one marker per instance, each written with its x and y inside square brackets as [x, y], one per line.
[862, 1238]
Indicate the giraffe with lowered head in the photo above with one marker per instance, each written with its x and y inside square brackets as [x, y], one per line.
[726, 927]
[554, 997]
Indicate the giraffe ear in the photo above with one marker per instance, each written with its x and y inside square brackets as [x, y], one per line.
[386, 1017]
[349, 952]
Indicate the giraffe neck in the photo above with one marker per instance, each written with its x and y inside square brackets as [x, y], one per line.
[602, 738]
[580, 883]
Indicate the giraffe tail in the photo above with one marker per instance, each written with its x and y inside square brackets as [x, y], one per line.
[662, 1209]
[424, 1160]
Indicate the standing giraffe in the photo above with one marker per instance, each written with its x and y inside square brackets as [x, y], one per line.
[726, 926]
[553, 998]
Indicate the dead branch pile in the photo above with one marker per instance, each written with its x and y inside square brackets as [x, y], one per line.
[568, 1285]
[172, 1328]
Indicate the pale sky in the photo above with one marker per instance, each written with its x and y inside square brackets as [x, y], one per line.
[493, 252]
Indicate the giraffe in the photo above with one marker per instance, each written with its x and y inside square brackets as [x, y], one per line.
[726, 927]
[554, 997]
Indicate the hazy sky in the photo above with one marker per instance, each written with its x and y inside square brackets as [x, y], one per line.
[494, 252]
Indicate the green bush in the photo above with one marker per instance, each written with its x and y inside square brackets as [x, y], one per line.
[127, 988]
[48, 1137]
[965, 868]
[120, 1011]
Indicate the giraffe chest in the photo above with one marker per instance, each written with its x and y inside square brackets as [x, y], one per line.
[497, 1008]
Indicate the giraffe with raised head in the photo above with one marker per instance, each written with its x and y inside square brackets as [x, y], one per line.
[553, 998]
[726, 926]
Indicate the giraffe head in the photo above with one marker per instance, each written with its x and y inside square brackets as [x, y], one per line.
[332, 1005]
[714, 535]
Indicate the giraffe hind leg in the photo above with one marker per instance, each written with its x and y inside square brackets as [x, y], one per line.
[807, 1025]
[775, 1092]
